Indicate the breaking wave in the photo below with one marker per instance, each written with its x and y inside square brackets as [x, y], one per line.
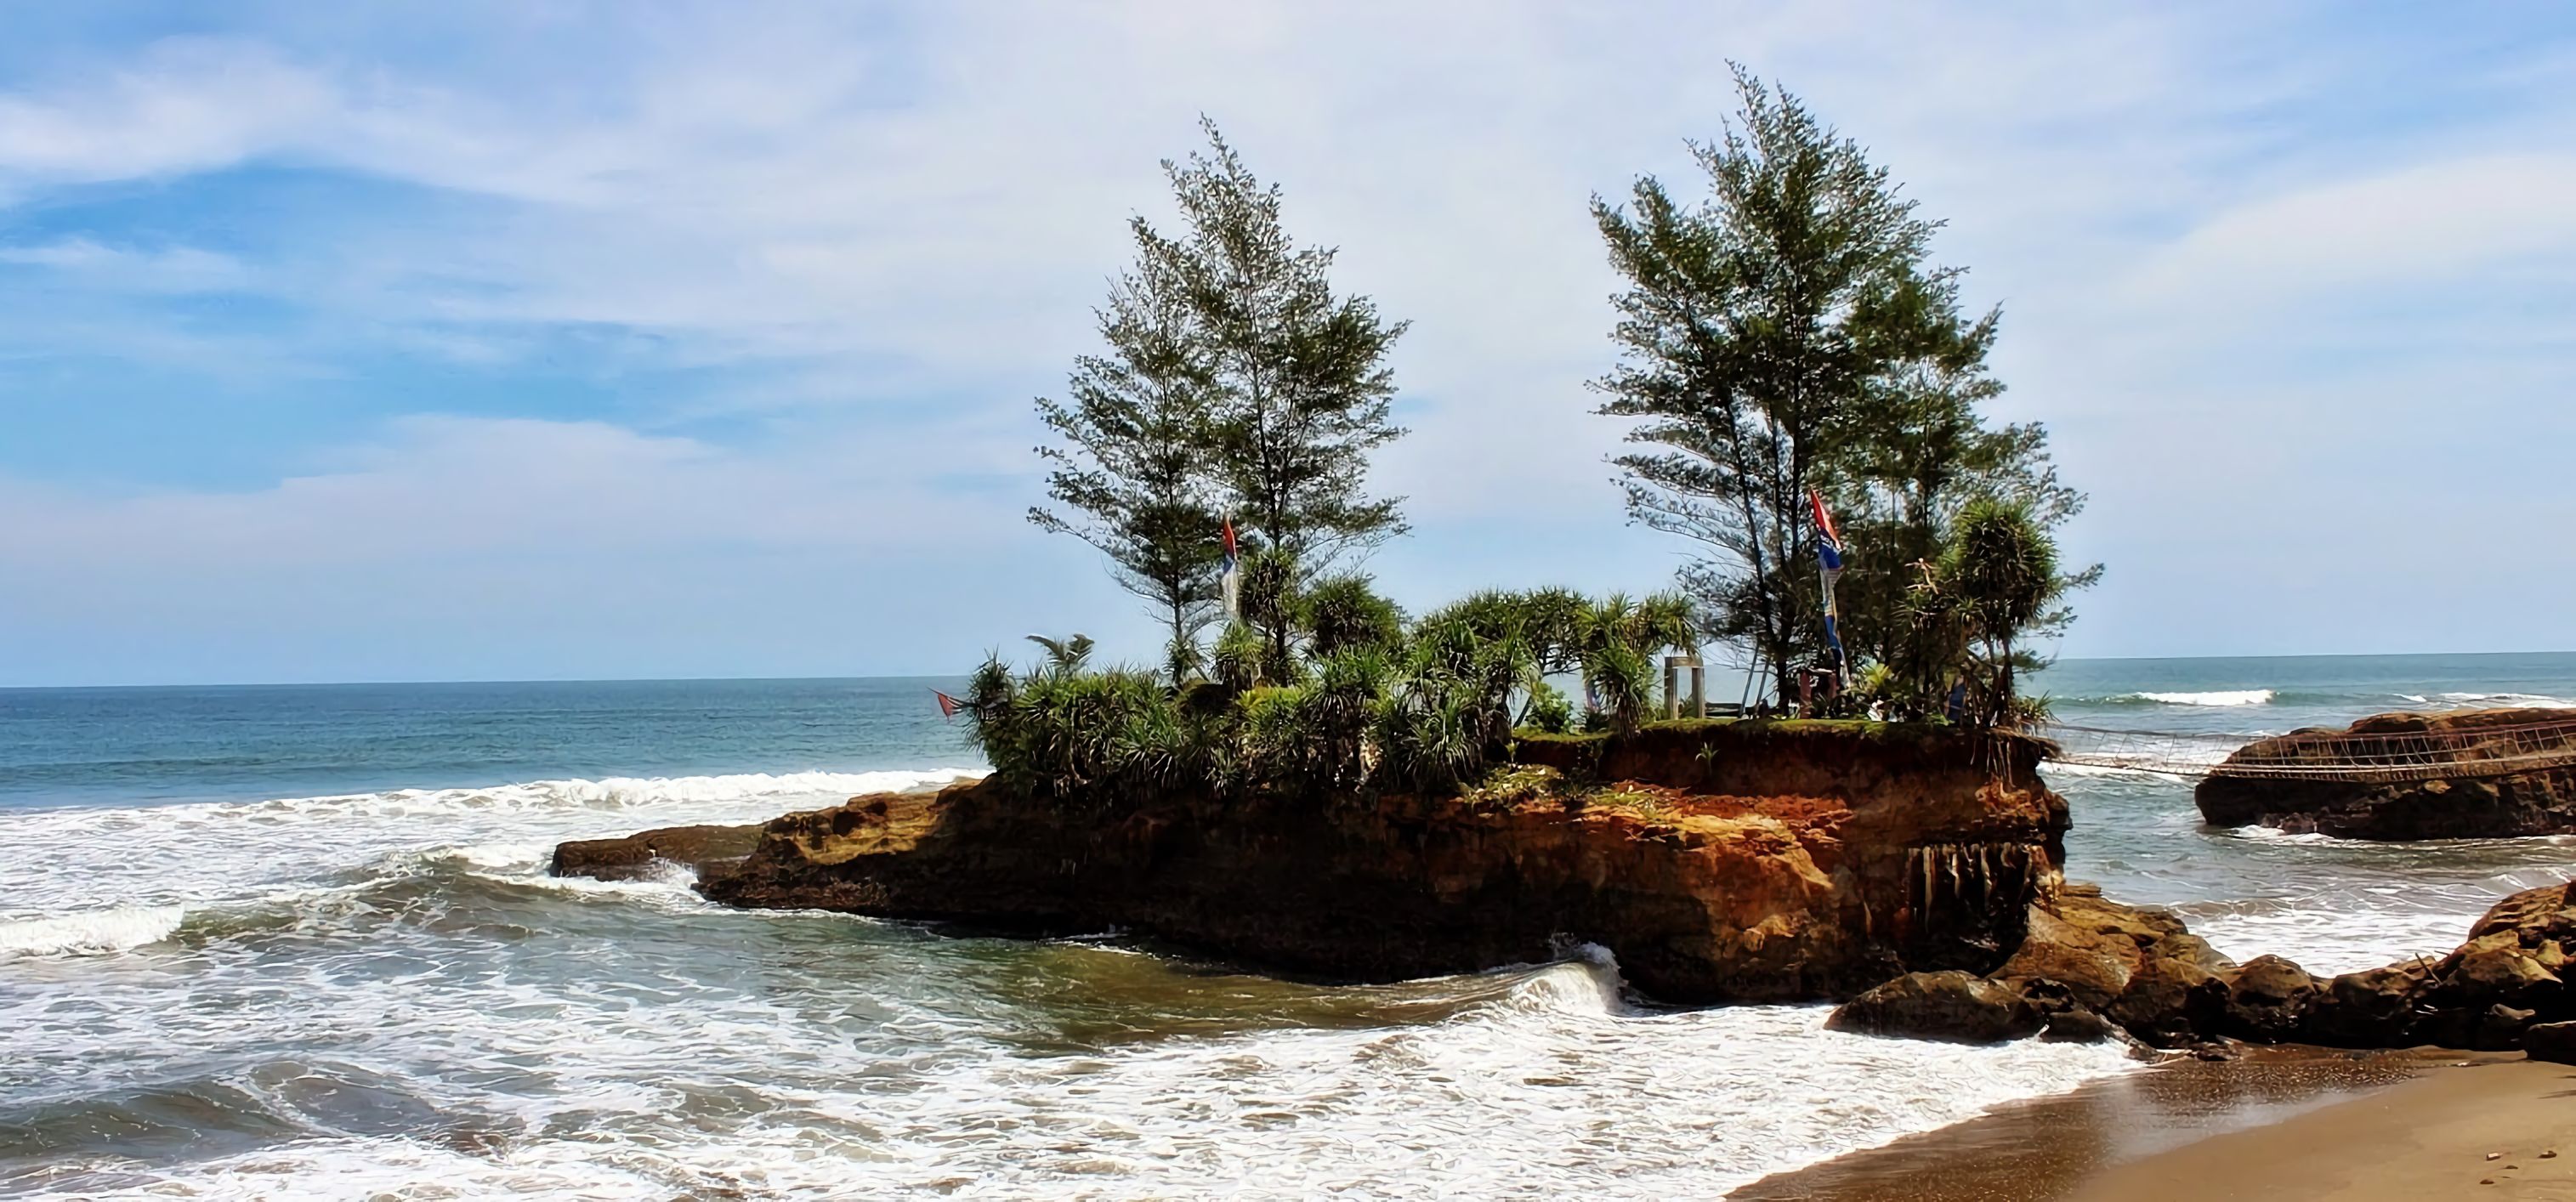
[74, 864]
[2214, 697]
[2506, 700]
[91, 931]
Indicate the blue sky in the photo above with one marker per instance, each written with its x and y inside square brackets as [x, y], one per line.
[565, 340]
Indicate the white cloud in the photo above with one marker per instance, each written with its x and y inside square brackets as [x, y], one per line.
[924, 202]
[2430, 224]
[171, 269]
[454, 489]
[184, 105]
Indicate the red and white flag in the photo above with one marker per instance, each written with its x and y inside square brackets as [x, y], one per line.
[1230, 583]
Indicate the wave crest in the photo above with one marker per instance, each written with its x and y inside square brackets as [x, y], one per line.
[2505, 701]
[91, 931]
[2213, 697]
[611, 793]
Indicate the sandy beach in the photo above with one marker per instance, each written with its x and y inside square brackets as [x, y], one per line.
[2504, 1130]
[2287, 1124]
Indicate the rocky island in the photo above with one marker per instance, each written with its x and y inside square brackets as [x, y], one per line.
[2470, 774]
[1913, 873]
[1721, 862]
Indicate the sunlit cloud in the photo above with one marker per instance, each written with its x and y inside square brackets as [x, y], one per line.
[810, 269]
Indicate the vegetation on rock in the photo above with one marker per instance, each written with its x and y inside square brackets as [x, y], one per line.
[1786, 337]
[1365, 702]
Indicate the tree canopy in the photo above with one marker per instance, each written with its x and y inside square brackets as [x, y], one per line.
[1238, 381]
[1787, 335]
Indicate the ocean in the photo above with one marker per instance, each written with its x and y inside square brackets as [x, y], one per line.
[267, 942]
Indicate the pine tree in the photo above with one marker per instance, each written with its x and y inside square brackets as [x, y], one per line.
[1300, 384]
[1131, 470]
[1759, 329]
[1235, 380]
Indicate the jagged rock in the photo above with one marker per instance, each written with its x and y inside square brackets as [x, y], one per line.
[2079, 1026]
[711, 852]
[2171, 1003]
[1952, 1006]
[2190, 949]
[2538, 918]
[2495, 969]
[2501, 1029]
[1769, 862]
[2553, 1042]
[2093, 967]
[2135, 966]
[2375, 1008]
[2469, 804]
[2267, 1000]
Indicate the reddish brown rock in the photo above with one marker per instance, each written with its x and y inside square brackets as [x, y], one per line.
[1951, 1006]
[710, 852]
[2375, 1008]
[2553, 1042]
[1744, 862]
[2474, 802]
[2268, 1000]
[2171, 1003]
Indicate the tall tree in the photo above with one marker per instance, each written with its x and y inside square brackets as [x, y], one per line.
[1757, 329]
[1131, 470]
[1300, 384]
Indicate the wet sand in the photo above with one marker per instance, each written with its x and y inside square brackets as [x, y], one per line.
[2279, 1123]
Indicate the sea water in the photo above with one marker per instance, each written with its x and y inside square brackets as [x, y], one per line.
[298, 942]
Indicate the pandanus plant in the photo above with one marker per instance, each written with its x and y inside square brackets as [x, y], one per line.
[2002, 569]
[1616, 642]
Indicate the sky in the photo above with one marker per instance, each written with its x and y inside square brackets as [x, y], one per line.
[561, 340]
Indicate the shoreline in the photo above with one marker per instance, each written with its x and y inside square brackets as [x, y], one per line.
[2279, 1122]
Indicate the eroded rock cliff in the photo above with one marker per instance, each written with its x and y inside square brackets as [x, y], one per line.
[1719, 862]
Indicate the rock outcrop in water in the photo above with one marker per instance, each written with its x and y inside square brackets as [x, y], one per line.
[708, 852]
[2086, 968]
[2138, 970]
[1720, 862]
[1746, 862]
[2475, 800]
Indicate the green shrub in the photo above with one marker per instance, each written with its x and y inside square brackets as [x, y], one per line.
[1342, 612]
[1548, 709]
[1236, 659]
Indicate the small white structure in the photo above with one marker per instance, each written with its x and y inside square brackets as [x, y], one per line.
[1673, 665]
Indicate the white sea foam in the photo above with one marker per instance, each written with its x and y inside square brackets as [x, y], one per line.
[2507, 701]
[1550, 1086]
[2214, 697]
[91, 931]
[233, 852]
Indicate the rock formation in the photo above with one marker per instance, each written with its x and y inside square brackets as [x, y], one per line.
[1720, 862]
[1952, 1005]
[2474, 798]
[2138, 970]
[708, 852]
[1738, 862]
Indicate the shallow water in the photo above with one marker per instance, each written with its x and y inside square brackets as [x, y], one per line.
[276, 943]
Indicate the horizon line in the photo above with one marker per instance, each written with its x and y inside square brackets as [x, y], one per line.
[899, 676]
